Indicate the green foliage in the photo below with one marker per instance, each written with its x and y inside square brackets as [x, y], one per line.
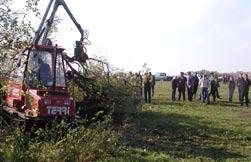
[122, 99]
[16, 30]
[112, 95]
[162, 131]
[59, 142]
[3, 90]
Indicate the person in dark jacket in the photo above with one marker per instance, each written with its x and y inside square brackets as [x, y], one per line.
[217, 84]
[217, 88]
[239, 81]
[174, 87]
[231, 88]
[195, 85]
[147, 87]
[244, 90]
[213, 90]
[152, 83]
[182, 81]
[43, 73]
[190, 86]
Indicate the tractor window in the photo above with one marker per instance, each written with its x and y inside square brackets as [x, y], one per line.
[60, 75]
[39, 71]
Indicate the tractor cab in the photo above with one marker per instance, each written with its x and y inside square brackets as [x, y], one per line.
[37, 86]
[45, 68]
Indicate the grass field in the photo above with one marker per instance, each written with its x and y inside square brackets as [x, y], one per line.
[188, 131]
[162, 131]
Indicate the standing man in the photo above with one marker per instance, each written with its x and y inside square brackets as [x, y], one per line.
[245, 90]
[152, 83]
[204, 84]
[138, 84]
[147, 87]
[217, 87]
[174, 87]
[217, 84]
[239, 82]
[182, 81]
[190, 86]
[213, 84]
[195, 84]
[231, 88]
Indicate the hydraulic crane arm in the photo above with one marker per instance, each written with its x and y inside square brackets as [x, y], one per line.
[39, 31]
[82, 32]
[45, 30]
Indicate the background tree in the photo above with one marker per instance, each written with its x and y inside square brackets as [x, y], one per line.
[15, 29]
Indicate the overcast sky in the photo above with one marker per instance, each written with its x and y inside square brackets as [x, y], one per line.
[169, 35]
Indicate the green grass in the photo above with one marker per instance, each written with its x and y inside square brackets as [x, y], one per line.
[187, 131]
[162, 131]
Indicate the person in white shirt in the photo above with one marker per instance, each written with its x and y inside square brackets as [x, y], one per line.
[204, 84]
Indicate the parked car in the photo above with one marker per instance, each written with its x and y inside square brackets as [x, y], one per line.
[169, 78]
[160, 76]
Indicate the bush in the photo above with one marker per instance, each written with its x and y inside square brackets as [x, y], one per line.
[100, 94]
[110, 100]
[122, 99]
[54, 143]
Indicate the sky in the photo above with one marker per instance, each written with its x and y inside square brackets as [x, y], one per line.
[168, 35]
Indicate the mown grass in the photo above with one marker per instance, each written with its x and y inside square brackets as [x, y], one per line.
[188, 131]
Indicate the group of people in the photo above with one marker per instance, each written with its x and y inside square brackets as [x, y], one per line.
[242, 84]
[209, 86]
[145, 84]
[191, 83]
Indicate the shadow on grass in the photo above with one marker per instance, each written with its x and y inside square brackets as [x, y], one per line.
[220, 103]
[172, 103]
[168, 102]
[224, 103]
[179, 136]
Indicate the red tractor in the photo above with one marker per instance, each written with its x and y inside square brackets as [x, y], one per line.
[37, 88]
